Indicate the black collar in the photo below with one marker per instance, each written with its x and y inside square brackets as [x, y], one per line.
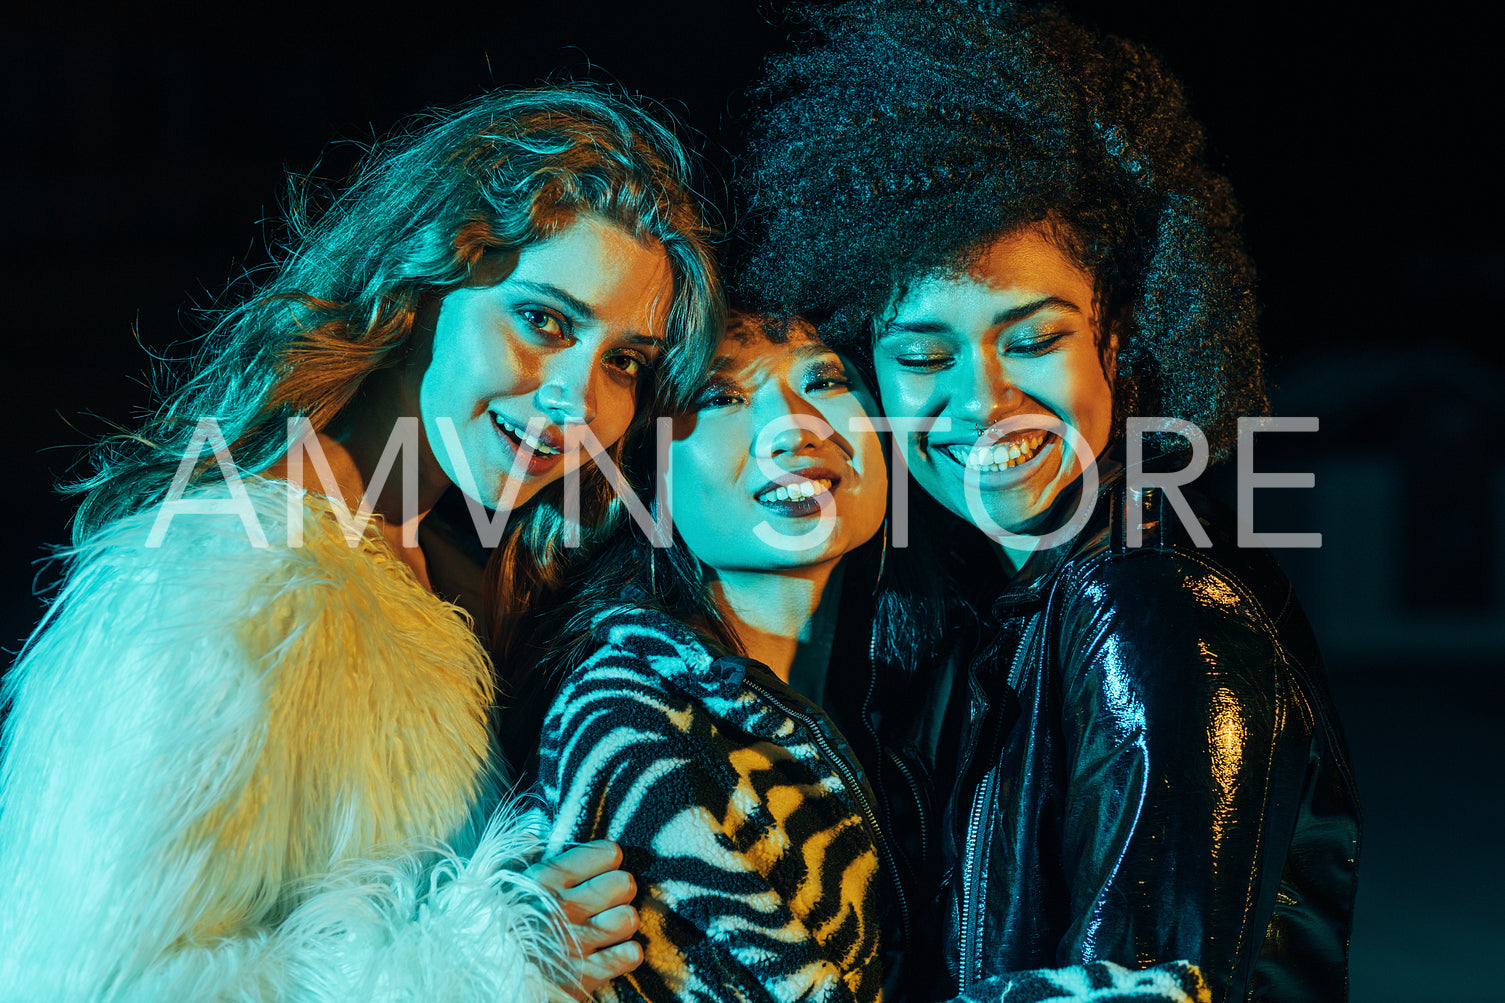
[1032, 582]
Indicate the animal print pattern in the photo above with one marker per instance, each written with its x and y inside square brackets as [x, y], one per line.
[751, 834]
[1095, 982]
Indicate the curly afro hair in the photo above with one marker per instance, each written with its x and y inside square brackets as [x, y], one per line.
[905, 136]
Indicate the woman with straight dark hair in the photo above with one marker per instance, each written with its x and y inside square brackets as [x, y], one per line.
[1011, 220]
[247, 753]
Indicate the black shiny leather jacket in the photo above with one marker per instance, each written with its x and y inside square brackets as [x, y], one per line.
[1151, 769]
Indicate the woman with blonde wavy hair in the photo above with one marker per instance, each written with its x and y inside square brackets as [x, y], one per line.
[247, 752]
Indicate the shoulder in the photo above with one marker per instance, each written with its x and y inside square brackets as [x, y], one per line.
[624, 741]
[1189, 562]
[649, 636]
[639, 648]
[635, 689]
[197, 623]
[1171, 633]
[648, 692]
[259, 526]
[268, 541]
[199, 661]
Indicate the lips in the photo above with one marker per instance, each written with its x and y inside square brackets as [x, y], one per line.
[548, 445]
[1001, 464]
[541, 448]
[798, 493]
[1007, 452]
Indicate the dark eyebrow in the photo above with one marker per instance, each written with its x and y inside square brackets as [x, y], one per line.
[1024, 310]
[913, 327]
[648, 340]
[581, 309]
[811, 348]
[1010, 316]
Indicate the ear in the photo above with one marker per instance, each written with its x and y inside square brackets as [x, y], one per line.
[1108, 344]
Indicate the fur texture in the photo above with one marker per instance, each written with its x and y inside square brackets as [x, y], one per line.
[240, 773]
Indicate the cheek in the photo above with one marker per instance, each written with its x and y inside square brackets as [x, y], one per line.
[896, 401]
[698, 477]
[1093, 407]
[890, 392]
[912, 395]
[874, 481]
[436, 384]
[696, 506]
[463, 372]
[616, 404]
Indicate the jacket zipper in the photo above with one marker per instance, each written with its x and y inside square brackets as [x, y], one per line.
[970, 847]
[849, 779]
[971, 900]
[971, 952]
[914, 788]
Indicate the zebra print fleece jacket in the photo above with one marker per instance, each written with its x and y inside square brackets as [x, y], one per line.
[750, 831]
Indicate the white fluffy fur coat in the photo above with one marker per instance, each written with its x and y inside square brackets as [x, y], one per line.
[254, 774]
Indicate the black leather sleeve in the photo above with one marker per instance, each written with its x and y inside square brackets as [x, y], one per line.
[1187, 742]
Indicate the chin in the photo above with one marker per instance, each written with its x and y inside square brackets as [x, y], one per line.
[793, 561]
[1007, 517]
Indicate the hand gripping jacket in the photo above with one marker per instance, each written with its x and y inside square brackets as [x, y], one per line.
[1152, 768]
[238, 772]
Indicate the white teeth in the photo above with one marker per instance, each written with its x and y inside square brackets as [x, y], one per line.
[537, 444]
[1002, 455]
[798, 491]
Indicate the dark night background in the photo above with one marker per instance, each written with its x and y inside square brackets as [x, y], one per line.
[141, 154]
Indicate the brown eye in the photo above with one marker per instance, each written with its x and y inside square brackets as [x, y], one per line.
[827, 376]
[545, 322]
[717, 395]
[630, 363]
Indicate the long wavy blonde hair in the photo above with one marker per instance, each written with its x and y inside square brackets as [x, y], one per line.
[505, 170]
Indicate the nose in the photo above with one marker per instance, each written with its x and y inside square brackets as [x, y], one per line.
[787, 423]
[567, 393]
[986, 394]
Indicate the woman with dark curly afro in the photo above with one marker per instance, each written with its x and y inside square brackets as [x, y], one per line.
[1011, 218]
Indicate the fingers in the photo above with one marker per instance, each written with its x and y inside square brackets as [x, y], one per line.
[585, 882]
[577, 865]
[596, 899]
[603, 966]
[605, 929]
[607, 891]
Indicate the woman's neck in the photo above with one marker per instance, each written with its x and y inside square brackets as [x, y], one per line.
[353, 460]
[1013, 554]
[775, 614]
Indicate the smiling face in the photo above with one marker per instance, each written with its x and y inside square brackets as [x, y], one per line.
[1015, 335]
[740, 461]
[559, 333]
